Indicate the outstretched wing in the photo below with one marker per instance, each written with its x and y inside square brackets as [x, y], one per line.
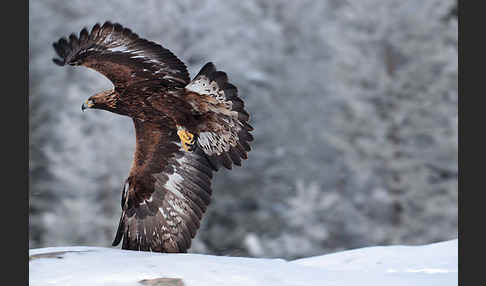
[121, 56]
[224, 131]
[166, 193]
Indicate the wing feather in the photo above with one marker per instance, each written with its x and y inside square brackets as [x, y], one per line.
[224, 132]
[120, 55]
[166, 193]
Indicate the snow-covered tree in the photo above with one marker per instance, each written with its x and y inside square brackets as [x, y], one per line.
[395, 71]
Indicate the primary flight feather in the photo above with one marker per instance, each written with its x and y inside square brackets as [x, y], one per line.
[185, 130]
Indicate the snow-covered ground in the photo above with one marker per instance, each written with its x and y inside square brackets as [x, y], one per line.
[434, 264]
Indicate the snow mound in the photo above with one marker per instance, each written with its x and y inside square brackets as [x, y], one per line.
[434, 264]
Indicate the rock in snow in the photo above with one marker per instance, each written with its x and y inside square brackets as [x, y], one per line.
[433, 264]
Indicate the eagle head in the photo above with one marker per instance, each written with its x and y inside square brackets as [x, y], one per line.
[103, 100]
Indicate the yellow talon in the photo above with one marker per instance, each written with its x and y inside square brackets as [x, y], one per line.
[187, 139]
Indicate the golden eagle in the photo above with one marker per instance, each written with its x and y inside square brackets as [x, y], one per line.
[185, 130]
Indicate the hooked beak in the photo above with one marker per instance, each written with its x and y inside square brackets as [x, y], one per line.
[87, 104]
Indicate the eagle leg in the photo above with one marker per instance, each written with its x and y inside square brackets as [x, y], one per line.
[187, 138]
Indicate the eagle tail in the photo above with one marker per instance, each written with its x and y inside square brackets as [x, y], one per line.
[225, 134]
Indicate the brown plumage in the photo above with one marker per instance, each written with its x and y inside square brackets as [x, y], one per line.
[169, 185]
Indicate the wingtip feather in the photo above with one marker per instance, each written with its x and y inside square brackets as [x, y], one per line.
[58, 62]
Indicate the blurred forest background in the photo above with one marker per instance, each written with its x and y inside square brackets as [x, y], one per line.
[354, 105]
